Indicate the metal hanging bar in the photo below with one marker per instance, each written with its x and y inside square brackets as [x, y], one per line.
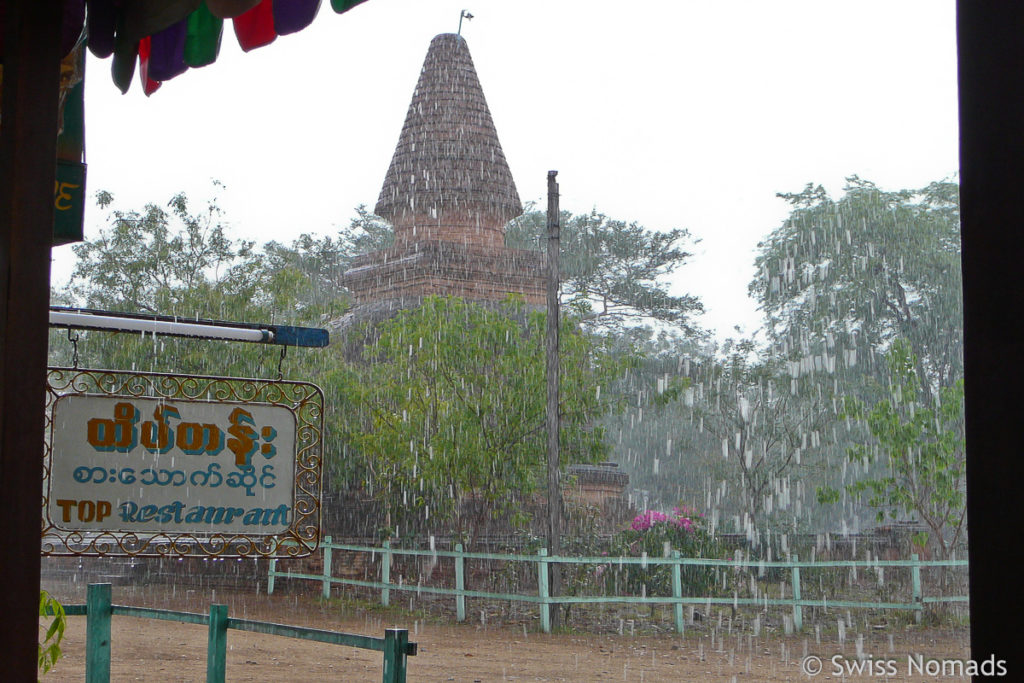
[196, 328]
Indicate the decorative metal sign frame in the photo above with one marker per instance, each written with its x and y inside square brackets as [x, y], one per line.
[77, 527]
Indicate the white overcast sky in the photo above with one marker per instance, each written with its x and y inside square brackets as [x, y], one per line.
[688, 114]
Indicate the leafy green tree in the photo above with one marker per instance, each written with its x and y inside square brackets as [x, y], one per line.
[143, 262]
[612, 270]
[323, 260]
[450, 397]
[921, 445]
[765, 435]
[840, 280]
[173, 260]
[449, 409]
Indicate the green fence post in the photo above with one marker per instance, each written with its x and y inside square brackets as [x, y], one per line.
[915, 573]
[396, 642]
[677, 591]
[97, 633]
[385, 573]
[390, 654]
[460, 584]
[271, 573]
[217, 644]
[798, 609]
[542, 590]
[327, 567]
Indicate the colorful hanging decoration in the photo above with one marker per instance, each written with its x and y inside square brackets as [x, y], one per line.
[149, 86]
[255, 28]
[165, 38]
[167, 56]
[202, 37]
[292, 17]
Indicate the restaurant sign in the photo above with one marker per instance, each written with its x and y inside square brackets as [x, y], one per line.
[170, 465]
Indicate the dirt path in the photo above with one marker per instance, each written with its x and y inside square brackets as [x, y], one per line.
[150, 650]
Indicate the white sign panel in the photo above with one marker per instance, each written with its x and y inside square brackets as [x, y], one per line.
[171, 466]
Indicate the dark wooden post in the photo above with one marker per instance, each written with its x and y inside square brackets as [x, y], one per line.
[28, 147]
[991, 64]
[553, 422]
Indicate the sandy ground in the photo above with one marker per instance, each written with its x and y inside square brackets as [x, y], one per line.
[151, 650]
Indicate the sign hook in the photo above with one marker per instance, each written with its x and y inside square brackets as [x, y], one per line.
[74, 346]
[280, 363]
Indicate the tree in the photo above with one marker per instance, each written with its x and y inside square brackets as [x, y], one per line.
[175, 261]
[447, 415]
[449, 397]
[323, 260]
[840, 280]
[144, 263]
[612, 270]
[765, 434]
[921, 444]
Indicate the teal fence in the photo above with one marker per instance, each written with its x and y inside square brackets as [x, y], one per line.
[98, 610]
[792, 568]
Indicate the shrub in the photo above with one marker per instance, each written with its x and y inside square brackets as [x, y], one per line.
[657, 534]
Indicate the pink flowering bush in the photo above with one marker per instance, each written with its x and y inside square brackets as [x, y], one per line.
[654, 532]
[681, 518]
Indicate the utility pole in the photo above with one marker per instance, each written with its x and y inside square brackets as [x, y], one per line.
[553, 421]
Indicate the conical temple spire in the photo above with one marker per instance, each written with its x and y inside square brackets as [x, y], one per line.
[448, 178]
[448, 193]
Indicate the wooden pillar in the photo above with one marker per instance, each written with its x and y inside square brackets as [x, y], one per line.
[990, 45]
[552, 369]
[28, 142]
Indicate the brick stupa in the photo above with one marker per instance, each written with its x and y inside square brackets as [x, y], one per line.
[448, 193]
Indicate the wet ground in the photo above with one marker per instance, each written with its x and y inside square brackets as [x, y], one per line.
[151, 650]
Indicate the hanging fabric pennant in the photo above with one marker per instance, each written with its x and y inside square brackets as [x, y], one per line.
[255, 28]
[122, 68]
[340, 6]
[202, 38]
[149, 86]
[291, 16]
[180, 34]
[167, 59]
[100, 22]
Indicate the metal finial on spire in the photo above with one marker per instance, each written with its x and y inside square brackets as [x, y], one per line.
[464, 14]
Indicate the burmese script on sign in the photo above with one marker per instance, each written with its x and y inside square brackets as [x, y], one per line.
[171, 466]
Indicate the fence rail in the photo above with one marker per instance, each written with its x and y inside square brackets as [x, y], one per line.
[545, 600]
[98, 610]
